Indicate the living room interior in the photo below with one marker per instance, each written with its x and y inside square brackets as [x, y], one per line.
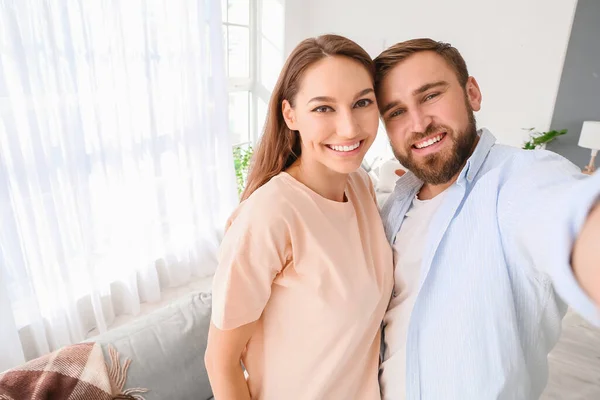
[127, 130]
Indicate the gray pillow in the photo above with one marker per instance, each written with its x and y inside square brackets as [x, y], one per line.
[167, 349]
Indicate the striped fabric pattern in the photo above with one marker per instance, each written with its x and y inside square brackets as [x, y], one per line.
[76, 372]
[496, 274]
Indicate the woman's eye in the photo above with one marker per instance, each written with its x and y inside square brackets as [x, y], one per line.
[363, 103]
[323, 109]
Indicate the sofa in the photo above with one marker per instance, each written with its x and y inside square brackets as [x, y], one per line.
[167, 349]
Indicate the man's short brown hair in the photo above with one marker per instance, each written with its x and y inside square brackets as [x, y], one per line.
[401, 51]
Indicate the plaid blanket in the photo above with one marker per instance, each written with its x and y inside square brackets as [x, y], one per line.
[76, 372]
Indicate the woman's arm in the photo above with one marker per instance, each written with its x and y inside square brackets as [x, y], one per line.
[222, 359]
[255, 249]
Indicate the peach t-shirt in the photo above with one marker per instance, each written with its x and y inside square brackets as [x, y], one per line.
[318, 276]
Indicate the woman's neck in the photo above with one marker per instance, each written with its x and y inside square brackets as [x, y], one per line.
[320, 179]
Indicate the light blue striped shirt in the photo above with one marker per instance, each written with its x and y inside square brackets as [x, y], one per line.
[497, 251]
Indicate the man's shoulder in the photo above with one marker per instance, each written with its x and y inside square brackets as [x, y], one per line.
[501, 154]
[512, 157]
[519, 168]
[404, 192]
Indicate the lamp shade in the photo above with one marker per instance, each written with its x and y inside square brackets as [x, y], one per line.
[590, 135]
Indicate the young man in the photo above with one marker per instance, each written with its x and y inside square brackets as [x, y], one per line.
[483, 235]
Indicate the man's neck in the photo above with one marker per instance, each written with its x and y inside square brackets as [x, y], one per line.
[428, 191]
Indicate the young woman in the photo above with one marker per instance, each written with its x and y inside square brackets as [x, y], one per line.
[305, 270]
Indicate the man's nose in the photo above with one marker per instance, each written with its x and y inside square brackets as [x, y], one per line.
[419, 121]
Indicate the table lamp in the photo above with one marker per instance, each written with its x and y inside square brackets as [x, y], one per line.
[590, 139]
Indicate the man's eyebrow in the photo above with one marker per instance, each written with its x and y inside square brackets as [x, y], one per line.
[329, 99]
[389, 106]
[428, 86]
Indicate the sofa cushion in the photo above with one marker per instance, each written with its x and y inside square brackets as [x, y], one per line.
[167, 349]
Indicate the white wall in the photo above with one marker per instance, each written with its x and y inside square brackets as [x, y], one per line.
[514, 48]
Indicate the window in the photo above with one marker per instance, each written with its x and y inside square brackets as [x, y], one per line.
[253, 37]
[105, 198]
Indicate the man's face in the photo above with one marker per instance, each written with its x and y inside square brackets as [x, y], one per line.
[429, 117]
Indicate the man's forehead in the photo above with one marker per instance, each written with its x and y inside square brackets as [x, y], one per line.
[416, 71]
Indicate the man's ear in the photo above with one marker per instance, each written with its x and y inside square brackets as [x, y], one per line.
[473, 94]
[289, 115]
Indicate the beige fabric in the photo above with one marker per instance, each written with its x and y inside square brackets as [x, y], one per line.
[318, 276]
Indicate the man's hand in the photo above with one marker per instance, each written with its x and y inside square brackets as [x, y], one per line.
[586, 255]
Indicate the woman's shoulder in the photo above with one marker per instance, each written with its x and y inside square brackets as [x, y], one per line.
[360, 181]
[270, 203]
[277, 193]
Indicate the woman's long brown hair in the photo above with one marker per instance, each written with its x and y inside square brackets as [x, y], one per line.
[279, 146]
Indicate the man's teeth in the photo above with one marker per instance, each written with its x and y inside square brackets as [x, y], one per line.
[345, 148]
[428, 143]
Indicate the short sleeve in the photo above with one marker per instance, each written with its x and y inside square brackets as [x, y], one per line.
[255, 248]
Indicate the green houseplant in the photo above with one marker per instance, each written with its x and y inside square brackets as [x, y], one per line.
[241, 159]
[537, 140]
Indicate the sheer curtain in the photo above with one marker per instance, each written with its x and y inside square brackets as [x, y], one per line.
[116, 170]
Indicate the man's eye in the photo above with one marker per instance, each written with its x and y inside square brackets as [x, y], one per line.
[396, 113]
[431, 96]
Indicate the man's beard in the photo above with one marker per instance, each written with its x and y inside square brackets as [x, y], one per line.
[441, 167]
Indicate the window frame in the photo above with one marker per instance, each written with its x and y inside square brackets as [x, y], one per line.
[237, 85]
[257, 91]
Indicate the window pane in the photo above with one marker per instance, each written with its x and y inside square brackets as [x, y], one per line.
[238, 53]
[272, 22]
[239, 104]
[238, 12]
[224, 10]
[271, 61]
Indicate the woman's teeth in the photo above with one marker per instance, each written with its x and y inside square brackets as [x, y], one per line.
[429, 142]
[344, 148]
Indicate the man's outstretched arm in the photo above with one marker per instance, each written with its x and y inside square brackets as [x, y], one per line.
[586, 256]
[549, 215]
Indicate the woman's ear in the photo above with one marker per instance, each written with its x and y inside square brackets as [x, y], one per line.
[289, 115]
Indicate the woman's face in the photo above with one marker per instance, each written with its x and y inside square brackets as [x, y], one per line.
[336, 114]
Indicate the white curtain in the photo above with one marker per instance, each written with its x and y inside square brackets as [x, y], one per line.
[116, 170]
